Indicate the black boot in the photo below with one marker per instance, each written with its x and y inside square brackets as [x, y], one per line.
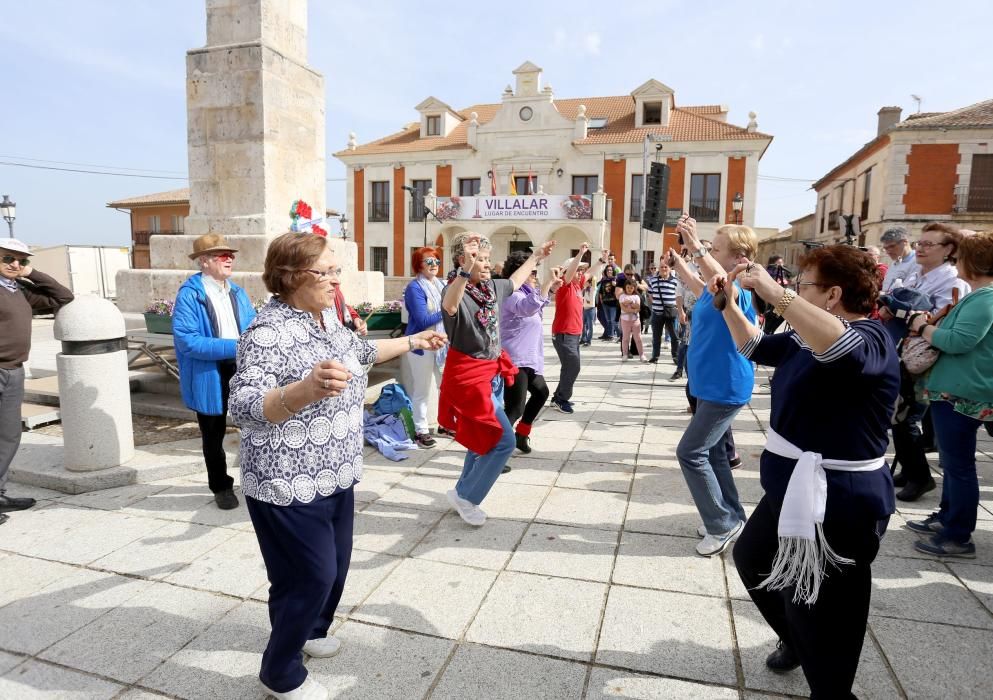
[9, 503]
[912, 491]
[783, 660]
[523, 443]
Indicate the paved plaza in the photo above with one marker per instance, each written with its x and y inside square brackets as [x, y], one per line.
[582, 584]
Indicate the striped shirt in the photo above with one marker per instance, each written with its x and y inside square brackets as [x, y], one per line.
[662, 291]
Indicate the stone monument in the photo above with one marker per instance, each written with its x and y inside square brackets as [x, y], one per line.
[255, 133]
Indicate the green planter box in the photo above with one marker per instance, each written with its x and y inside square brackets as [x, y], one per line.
[158, 324]
[383, 321]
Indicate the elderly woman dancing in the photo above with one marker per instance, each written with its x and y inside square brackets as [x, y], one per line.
[805, 553]
[297, 395]
[721, 381]
[471, 401]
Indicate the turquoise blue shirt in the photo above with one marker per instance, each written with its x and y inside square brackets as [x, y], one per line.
[717, 371]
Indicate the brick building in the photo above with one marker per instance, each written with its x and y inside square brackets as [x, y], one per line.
[161, 213]
[934, 166]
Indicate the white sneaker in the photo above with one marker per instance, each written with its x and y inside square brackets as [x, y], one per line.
[715, 544]
[309, 690]
[322, 648]
[702, 532]
[468, 511]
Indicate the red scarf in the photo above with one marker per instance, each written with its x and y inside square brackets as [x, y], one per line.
[465, 403]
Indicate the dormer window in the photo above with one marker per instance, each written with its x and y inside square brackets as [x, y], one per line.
[652, 113]
[597, 123]
[433, 125]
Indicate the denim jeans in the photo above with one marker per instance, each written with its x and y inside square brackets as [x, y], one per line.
[589, 316]
[956, 435]
[480, 472]
[611, 317]
[704, 461]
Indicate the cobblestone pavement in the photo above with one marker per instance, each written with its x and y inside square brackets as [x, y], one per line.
[583, 583]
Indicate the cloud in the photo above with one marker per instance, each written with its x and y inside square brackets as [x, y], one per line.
[591, 42]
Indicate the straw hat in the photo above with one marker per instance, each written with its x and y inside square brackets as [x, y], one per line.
[210, 243]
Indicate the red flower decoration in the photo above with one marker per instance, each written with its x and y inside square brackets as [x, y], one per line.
[318, 231]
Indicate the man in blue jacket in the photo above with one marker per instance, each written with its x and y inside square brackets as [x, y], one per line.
[211, 312]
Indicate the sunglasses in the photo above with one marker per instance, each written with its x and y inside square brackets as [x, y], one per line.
[225, 256]
[10, 260]
[432, 261]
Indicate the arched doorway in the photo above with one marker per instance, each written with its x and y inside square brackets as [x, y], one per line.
[568, 239]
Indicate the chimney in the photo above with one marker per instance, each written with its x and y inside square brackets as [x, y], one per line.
[888, 118]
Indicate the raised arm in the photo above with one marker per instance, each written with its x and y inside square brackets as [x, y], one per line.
[709, 267]
[686, 275]
[570, 272]
[522, 273]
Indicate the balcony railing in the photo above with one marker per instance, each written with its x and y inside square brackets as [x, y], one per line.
[141, 237]
[635, 209]
[974, 199]
[705, 209]
[379, 211]
[416, 211]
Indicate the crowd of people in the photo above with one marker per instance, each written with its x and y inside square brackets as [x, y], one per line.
[860, 349]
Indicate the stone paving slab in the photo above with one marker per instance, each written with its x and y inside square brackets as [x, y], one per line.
[582, 584]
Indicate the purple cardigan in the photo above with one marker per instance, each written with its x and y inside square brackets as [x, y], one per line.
[520, 328]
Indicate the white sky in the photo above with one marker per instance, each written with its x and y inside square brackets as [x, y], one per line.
[103, 82]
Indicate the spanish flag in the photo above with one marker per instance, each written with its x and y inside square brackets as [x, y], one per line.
[512, 190]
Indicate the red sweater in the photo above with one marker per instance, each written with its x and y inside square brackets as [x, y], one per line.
[465, 402]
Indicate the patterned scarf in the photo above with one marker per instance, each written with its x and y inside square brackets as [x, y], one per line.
[485, 297]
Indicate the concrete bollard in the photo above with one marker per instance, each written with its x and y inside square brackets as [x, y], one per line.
[94, 390]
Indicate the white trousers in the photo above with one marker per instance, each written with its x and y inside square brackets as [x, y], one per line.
[423, 378]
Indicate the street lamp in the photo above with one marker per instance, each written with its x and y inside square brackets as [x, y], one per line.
[736, 204]
[344, 227]
[9, 210]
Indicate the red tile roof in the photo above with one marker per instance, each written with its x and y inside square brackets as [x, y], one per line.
[181, 196]
[685, 124]
[977, 116]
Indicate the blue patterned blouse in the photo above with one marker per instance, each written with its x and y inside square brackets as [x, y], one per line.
[317, 452]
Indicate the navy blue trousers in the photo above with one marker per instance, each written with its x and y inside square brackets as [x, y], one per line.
[307, 549]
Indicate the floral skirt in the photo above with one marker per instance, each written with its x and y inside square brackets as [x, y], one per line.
[980, 410]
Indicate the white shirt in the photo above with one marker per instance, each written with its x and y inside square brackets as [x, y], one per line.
[899, 271]
[219, 296]
[937, 284]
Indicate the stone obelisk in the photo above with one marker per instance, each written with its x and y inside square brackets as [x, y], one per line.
[255, 134]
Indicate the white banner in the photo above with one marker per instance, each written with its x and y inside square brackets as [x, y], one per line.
[537, 206]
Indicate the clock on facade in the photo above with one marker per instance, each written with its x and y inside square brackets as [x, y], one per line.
[526, 113]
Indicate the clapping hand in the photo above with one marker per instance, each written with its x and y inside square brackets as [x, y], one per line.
[545, 250]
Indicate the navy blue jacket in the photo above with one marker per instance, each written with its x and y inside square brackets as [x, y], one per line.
[198, 347]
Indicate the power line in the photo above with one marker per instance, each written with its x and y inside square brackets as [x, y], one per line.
[94, 165]
[88, 172]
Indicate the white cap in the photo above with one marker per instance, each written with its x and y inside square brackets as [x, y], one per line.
[14, 245]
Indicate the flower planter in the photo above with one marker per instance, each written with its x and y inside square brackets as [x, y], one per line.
[157, 323]
[383, 321]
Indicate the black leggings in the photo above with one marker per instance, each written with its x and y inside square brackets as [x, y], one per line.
[515, 402]
[826, 637]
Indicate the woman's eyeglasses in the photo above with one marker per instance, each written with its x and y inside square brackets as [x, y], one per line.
[928, 245]
[10, 260]
[331, 272]
[432, 261]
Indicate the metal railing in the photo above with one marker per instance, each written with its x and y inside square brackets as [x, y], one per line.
[973, 199]
[379, 211]
[416, 210]
[705, 209]
[141, 237]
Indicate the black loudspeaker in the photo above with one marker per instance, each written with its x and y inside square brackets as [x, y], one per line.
[656, 196]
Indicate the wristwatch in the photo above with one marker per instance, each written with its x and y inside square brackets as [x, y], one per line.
[699, 252]
[463, 273]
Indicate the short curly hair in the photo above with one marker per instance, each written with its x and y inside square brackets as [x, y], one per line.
[288, 259]
[514, 262]
[457, 246]
[849, 268]
[976, 255]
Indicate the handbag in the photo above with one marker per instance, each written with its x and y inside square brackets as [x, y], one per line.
[917, 354]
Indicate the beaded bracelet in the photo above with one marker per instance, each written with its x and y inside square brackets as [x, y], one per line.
[282, 401]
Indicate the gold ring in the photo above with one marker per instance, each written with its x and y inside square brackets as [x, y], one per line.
[327, 383]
